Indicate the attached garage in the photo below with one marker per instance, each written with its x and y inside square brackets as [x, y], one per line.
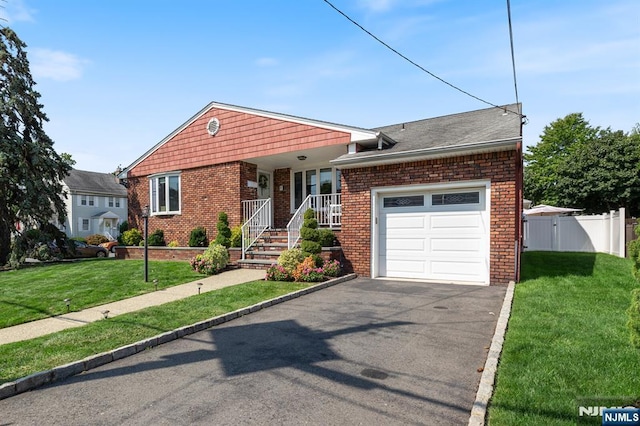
[437, 233]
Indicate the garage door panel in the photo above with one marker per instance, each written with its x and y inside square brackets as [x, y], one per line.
[467, 270]
[456, 222]
[398, 222]
[407, 245]
[403, 268]
[456, 246]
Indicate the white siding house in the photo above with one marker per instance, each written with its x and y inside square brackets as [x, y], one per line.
[96, 204]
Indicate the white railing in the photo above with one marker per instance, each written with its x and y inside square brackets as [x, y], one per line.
[328, 208]
[249, 207]
[294, 225]
[256, 224]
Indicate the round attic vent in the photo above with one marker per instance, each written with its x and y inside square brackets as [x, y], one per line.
[213, 126]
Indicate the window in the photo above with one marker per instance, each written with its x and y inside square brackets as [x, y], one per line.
[84, 224]
[314, 182]
[110, 202]
[117, 201]
[86, 200]
[407, 201]
[165, 194]
[455, 198]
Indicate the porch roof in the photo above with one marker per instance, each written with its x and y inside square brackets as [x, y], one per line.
[106, 215]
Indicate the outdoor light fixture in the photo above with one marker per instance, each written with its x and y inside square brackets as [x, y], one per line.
[302, 157]
[105, 314]
[145, 216]
[155, 283]
[68, 303]
[199, 286]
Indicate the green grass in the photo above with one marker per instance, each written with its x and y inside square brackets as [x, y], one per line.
[20, 359]
[567, 339]
[39, 292]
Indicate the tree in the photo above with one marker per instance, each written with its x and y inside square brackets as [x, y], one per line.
[30, 169]
[603, 173]
[576, 165]
[544, 159]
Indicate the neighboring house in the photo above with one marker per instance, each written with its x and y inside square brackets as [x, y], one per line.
[437, 199]
[96, 203]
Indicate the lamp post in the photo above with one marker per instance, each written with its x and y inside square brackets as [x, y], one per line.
[145, 216]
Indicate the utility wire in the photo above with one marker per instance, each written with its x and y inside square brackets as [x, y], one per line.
[513, 57]
[415, 64]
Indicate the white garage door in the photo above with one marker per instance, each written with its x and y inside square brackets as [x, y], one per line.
[440, 235]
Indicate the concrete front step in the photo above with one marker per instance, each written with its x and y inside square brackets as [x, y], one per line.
[256, 263]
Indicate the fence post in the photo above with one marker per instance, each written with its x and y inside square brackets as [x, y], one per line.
[611, 230]
[622, 230]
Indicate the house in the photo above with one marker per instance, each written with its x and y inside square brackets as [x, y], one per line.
[436, 199]
[96, 203]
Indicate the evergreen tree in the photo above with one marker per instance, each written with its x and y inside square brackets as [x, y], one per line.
[30, 169]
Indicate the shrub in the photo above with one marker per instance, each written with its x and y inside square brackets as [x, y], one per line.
[289, 259]
[326, 237]
[634, 317]
[198, 237]
[156, 238]
[309, 233]
[224, 233]
[173, 243]
[634, 253]
[278, 273]
[331, 268]
[307, 271]
[213, 260]
[124, 226]
[96, 239]
[236, 236]
[132, 237]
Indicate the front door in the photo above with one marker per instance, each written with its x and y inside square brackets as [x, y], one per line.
[265, 188]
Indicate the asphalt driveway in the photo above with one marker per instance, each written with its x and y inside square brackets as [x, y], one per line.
[361, 352]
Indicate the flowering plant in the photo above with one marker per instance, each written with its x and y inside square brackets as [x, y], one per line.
[307, 271]
[331, 268]
[278, 273]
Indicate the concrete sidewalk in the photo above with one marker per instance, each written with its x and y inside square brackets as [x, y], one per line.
[45, 326]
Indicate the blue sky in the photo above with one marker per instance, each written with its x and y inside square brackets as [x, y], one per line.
[118, 76]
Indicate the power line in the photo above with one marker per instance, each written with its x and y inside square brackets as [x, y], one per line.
[513, 57]
[415, 64]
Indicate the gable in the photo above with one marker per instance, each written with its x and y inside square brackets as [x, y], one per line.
[243, 133]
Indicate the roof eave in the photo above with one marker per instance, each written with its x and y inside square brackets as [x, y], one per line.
[383, 158]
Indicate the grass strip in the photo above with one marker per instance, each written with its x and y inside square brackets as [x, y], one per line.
[21, 359]
[566, 339]
[38, 292]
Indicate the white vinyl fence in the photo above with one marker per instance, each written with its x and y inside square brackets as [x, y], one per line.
[603, 233]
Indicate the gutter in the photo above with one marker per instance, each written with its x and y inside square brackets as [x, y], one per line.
[382, 158]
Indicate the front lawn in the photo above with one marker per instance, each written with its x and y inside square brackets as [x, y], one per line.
[38, 292]
[567, 339]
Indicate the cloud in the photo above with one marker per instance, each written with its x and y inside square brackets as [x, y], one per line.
[16, 11]
[56, 65]
[376, 5]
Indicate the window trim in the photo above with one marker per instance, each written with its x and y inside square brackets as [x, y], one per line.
[154, 206]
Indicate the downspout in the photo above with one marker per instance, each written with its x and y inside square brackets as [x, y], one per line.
[519, 204]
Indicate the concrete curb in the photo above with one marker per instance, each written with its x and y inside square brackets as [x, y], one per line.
[485, 389]
[62, 372]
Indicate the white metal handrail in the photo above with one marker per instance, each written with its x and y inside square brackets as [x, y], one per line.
[257, 223]
[328, 208]
[294, 225]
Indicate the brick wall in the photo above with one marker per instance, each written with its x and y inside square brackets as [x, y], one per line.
[205, 191]
[499, 167]
[282, 199]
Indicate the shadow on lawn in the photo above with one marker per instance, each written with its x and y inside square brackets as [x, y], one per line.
[537, 264]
